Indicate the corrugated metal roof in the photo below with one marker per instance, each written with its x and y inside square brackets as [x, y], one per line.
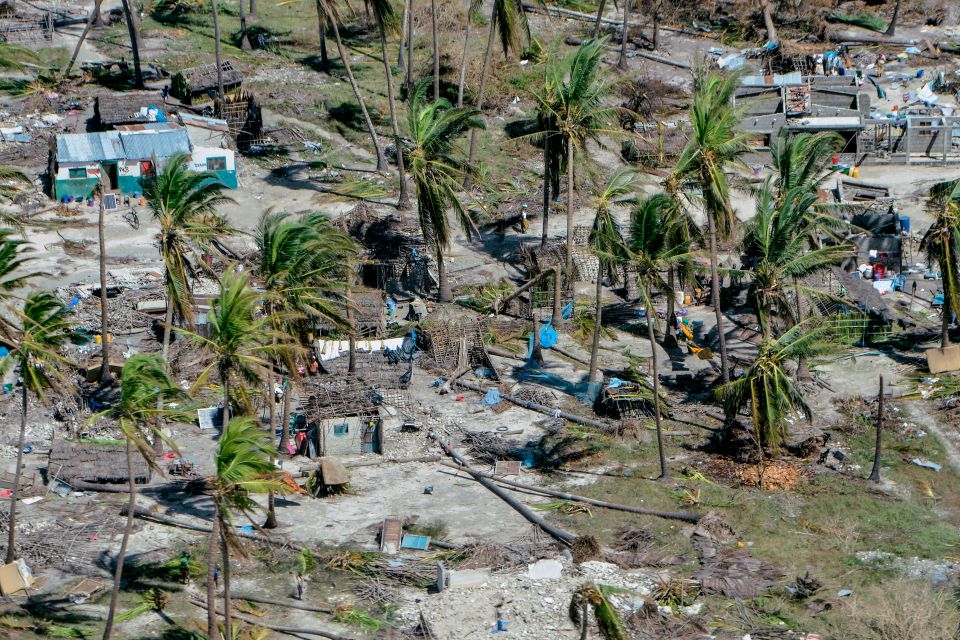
[89, 147]
[160, 143]
[215, 124]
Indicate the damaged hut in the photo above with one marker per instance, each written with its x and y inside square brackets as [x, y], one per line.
[136, 107]
[199, 84]
[95, 467]
[342, 418]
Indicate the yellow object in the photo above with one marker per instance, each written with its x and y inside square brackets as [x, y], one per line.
[687, 299]
[855, 172]
[97, 339]
[686, 331]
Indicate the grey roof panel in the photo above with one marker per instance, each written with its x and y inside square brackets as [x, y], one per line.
[159, 143]
[89, 147]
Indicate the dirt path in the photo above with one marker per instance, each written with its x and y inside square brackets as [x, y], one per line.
[949, 438]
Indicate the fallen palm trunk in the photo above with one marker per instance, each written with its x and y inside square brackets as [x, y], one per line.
[670, 515]
[563, 537]
[567, 354]
[589, 17]
[573, 41]
[280, 603]
[371, 463]
[143, 514]
[544, 409]
[504, 353]
[856, 38]
[292, 631]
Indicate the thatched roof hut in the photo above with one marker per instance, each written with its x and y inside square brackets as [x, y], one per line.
[113, 109]
[94, 466]
[200, 83]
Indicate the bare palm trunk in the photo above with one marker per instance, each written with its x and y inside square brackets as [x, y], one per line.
[118, 572]
[892, 27]
[463, 60]
[409, 5]
[345, 60]
[803, 366]
[569, 257]
[253, 8]
[715, 290]
[271, 521]
[401, 64]
[226, 400]
[472, 154]
[596, 25]
[546, 192]
[104, 315]
[167, 324]
[351, 324]
[212, 631]
[322, 26]
[244, 41]
[216, 50]
[12, 521]
[945, 323]
[656, 26]
[768, 21]
[557, 296]
[91, 20]
[285, 416]
[403, 202]
[622, 62]
[655, 371]
[444, 292]
[598, 318]
[672, 298]
[875, 471]
[133, 28]
[536, 354]
[227, 598]
[436, 51]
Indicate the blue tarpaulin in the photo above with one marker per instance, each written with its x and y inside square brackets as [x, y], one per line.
[548, 336]
[567, 310]
[492, 397]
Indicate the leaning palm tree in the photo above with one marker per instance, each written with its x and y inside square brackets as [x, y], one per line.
[655, 226]
[386, 19]
[573, 95]
[609, 247]
[941, 243]
[802, 160]
[332, 19]
[509, 21]
[43, 329]
[184, 205]
[240, 342]
[143, 382]
[132, 18]
[437, 175]
[699, 176]
[301, 268]
[14, 275]
[775, 240]
[244, 466]
[768, 389]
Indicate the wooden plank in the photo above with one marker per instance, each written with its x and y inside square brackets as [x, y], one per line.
[390, 535]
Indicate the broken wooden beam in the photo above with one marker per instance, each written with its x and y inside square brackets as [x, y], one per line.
[287, 604]
[669, 515]
[143, 514]
[574, 41]
[500, 304]
[560, 535]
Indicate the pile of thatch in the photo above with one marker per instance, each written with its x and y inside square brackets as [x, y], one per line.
[94, 466]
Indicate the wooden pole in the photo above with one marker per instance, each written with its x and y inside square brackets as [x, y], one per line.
[875, 472]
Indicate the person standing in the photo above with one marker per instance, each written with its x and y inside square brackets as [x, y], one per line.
[299, 587]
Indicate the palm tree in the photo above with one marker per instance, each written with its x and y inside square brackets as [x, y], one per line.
[776, 241]
[768, 389]
[767, 11]
[892, 27]
[508, 19]
[655, 226]
[802, 160]
[43, 330]
[332, 18]
[184, 205]
[942, 245]
[473, 8]
[301, 268]
[214, 9]
[244, 41]
[104, 315]
[144, 381]
[386, 19]
[609, 247]
[573, 95]
[622, 61]
[240, 341]
[437, 175]
[436, 50]
[700, 173]
[133, 28]
[14, 260]
[16, 58]
[244, 466]
[323, 26]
